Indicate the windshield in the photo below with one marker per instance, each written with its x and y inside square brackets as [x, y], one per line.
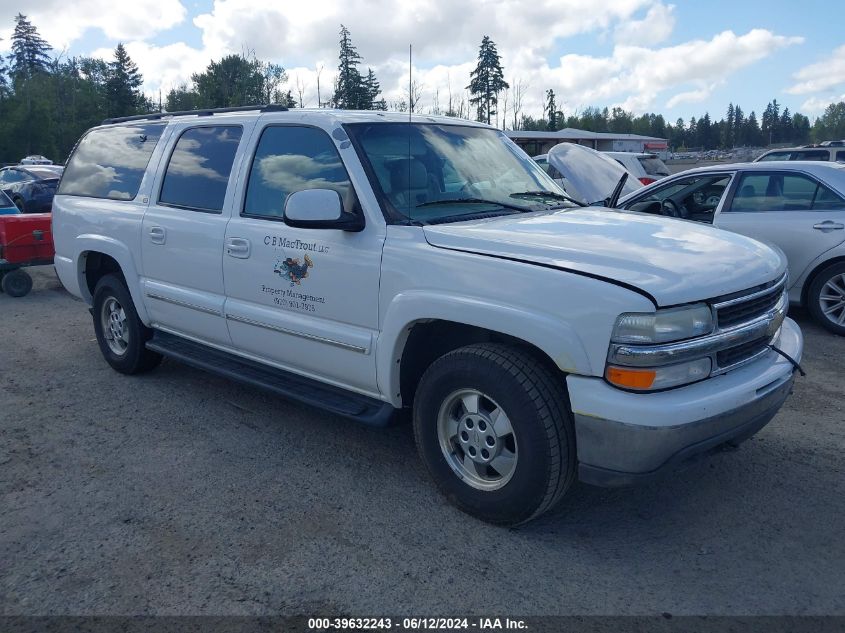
[431, 173]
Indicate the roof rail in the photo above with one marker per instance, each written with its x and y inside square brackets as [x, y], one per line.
[152, 116]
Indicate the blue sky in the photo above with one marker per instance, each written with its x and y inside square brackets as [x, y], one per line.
[675, 58]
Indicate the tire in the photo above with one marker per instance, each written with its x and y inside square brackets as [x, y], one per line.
[542, 438]
[16, 283]
[120, 333]
[827, 293]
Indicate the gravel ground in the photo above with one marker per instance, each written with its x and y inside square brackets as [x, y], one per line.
[178, 492]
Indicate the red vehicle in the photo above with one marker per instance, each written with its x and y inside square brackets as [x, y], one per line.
[25, 240]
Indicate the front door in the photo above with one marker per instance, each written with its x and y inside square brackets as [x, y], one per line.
[183, 231]
[791, 210]
[305, 300]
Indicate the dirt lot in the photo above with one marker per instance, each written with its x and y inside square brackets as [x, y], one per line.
[181, 493]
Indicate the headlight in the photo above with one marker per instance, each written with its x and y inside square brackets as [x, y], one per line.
[663, 326]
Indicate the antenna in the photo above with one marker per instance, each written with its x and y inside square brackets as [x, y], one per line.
[410, 114]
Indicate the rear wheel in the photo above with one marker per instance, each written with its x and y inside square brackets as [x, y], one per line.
[826, 298]
[16, 283]
[121, 335]
[493, 427]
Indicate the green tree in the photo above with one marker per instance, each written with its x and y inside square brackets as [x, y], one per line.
[349, 89]
[729, 129]
[800, 128]
[831, 124]
[30, 52]
[551, 108]
[123, 85]
[486, 81]
[233, 81]
[753, 135]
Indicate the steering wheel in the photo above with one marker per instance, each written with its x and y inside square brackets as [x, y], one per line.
[672, 209]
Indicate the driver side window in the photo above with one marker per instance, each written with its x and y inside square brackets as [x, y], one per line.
[695, 197]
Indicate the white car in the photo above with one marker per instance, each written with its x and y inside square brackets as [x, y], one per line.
[601, 165]
[36, 159]
[797, 206]
[647, 168]
[365, 264]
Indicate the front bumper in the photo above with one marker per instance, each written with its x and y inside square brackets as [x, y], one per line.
[624, 438]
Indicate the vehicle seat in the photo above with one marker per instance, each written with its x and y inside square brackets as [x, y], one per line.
[410, 184]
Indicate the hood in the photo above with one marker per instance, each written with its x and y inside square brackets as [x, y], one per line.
[590, 175]
[673, 261]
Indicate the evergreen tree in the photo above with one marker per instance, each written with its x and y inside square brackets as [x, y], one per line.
[486, 81]
[30, 52]
[370, 91]
[233, 81]
[728, 131]
[551, 107]
[349, 88]
[738, 127]
[753, 134]
[123, 85]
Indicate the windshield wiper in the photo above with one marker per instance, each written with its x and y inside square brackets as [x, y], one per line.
[549, 194]
[613, 200]
[498, 203]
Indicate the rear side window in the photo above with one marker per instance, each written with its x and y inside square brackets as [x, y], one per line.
[817, 154]
[840, 155]
[776, 156]
[110, 162]
[654, 166]
[198, 170]
[290, 159]
[778, 192]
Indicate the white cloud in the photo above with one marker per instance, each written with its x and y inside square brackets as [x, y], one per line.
[637, 73]
[823, 75]
[654, 28]
[817, 105]
[61, 22]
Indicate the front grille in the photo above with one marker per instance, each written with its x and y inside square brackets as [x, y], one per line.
[733, 355]
[743, 311]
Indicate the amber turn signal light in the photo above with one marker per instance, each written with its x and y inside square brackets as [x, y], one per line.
[631, 378]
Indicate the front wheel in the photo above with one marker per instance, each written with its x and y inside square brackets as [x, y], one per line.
[493, 428]
[121, 335]
[826, 298]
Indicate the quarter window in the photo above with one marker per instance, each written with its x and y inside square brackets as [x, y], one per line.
[110, 162]
[290, 159]
[199, 167]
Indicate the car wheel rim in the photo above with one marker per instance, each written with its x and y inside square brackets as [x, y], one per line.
[477, 439]
[832, 299]
[115, 328]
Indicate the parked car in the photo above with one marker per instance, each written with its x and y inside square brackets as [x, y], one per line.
[365, 264]
[36, 159]
[31, 188]
[819, 152]
[648, 168]
[587, 193]
[797, 206]
[7, 207]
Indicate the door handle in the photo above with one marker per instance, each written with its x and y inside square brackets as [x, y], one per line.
[829, 225]
[158, 235]
[238, 247]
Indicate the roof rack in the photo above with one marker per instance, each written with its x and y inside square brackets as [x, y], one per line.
[270, 107]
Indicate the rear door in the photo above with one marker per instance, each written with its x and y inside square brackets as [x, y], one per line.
[184, 227]
[305, 300]
[790, 209]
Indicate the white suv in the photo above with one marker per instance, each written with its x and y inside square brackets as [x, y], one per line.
[809, 152]
[364, 264]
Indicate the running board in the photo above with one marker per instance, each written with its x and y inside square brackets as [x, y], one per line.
[289, 385]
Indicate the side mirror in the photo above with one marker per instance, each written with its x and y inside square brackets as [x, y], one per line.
[319, 209]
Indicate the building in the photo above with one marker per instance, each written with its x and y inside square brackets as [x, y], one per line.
[534, 143]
